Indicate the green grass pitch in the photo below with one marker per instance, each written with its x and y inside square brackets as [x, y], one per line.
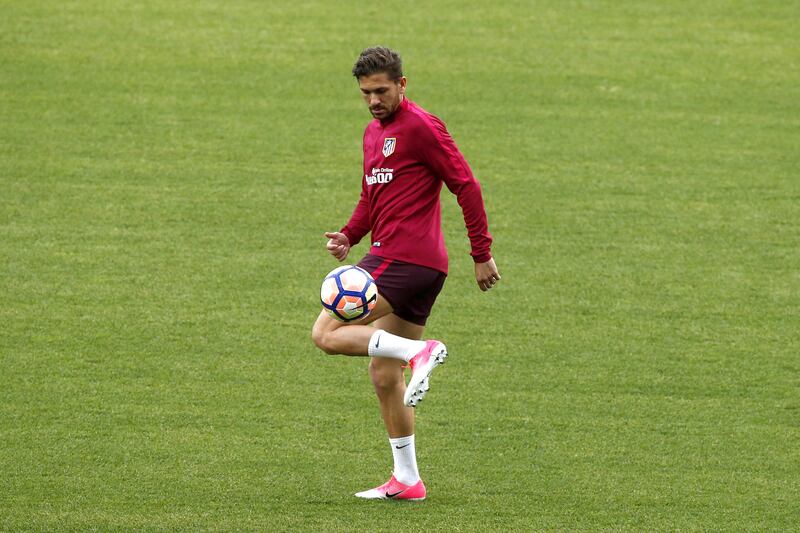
[167, 170]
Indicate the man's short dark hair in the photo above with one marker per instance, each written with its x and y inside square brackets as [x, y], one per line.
[379, 59]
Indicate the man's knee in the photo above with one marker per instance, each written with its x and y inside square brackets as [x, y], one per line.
[386, 374]
[322, 340]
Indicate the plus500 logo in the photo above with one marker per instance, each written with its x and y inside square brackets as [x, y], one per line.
[379, 175]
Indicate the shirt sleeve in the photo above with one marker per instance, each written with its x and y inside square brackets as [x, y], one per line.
[358, 225]
[443, 157]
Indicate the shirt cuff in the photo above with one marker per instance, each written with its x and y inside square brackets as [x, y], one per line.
[482, 258]
[349, 236]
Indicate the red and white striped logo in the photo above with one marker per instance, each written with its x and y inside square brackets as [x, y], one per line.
[389, 144]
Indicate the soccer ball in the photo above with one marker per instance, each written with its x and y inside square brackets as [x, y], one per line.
[348, 293]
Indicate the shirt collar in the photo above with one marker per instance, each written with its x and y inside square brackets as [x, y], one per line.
[400, 108]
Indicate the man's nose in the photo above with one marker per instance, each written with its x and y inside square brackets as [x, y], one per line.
[373, 100]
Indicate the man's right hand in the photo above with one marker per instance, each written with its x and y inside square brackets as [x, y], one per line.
[338, 244]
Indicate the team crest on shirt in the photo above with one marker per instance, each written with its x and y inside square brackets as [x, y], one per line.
[389, 144]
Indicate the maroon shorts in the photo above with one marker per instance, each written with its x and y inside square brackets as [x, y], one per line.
[409, 289]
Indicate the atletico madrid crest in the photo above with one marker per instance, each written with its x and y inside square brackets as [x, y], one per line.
[388, 146]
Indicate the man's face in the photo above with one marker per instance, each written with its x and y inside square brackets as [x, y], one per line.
[382, 94]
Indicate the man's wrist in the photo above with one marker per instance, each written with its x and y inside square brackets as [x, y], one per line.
[482, 258]
[346, 233]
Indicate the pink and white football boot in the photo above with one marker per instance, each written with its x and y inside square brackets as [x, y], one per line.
[422, 365]
[394, 490]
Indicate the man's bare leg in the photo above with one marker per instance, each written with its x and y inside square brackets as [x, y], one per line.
[336, 337]
[389, 381]
[392, 342]
[347, 338]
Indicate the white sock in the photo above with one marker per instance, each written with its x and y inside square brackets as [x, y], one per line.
[405, 460]
[384, 344]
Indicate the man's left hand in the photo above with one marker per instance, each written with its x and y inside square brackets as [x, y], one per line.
[486, 274]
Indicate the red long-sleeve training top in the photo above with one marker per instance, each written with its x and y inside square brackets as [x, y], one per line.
[407, 156]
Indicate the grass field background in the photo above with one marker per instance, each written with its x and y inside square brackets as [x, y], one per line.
[167, 171]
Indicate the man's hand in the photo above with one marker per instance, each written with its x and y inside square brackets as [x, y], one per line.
[338, 244]
[486, 274]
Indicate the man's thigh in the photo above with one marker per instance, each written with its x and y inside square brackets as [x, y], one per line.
[325, 322]
[400, 327]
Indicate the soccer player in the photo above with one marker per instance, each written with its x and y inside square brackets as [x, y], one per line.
[408, 154]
